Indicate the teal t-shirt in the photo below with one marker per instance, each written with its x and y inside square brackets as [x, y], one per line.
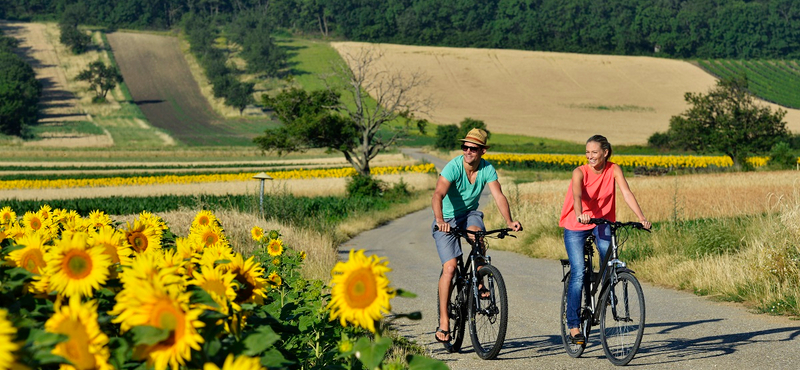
[462, 196]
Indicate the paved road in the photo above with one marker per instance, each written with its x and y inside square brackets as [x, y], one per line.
[683, 331]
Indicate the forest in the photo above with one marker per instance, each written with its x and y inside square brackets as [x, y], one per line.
[738, 29]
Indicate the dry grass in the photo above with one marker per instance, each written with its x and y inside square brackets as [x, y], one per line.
[553, 95]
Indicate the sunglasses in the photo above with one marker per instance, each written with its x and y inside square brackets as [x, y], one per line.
[468, 148]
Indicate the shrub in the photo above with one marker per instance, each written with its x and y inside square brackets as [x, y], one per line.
[364, 186]
[447, 137]
[781, 156]
[660, 140]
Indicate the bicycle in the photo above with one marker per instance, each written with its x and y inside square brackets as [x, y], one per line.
[621, 309]
[487, 315]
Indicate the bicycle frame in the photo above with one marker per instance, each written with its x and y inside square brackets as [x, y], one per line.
[468, 273]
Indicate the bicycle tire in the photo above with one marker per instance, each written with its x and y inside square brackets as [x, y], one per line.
[573, 350]
[487, 328]
[456, 307]
[622, 319]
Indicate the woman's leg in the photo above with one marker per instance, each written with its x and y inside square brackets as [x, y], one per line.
[573, 241]
[602, 235]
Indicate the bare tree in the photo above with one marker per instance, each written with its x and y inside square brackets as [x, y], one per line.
[385, 102]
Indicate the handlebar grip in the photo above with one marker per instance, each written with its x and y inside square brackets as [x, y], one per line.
[597, 221]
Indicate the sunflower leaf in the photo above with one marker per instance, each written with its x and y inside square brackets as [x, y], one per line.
[273, 358]
[259, 341]
[200, 296]
[42, 339]
[405, 293]
[148, 335]
[371, 353]
[424, 363]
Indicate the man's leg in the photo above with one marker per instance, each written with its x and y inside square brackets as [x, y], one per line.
[448, 271]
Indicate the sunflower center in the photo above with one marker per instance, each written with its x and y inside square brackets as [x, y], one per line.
[111, 251]
[35, 224]
[138, 241]
[203, 220]
[210, 239]
[245, 290]
[168, 317]
[361, 288]
[77, 264]
[32, 260]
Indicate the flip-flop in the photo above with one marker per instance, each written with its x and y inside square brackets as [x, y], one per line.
[445, 332]
[484, 293]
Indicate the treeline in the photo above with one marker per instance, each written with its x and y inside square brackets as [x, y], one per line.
[19, 90]
[738, 29]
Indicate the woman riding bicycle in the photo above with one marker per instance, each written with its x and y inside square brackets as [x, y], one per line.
[455, 203]
[591, 194]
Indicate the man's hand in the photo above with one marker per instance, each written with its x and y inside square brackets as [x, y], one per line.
[515, 225]
[443, 226]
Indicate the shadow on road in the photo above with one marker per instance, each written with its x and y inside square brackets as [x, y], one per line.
[680, 349]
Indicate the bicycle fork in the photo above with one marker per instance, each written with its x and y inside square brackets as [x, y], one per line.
[488, 284]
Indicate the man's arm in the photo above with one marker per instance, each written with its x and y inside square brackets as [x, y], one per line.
[442, 185]
[502, 204]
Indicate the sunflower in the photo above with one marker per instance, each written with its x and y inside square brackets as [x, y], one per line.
[218, 284]
[302, 255]
[7, 344]
[114, 246]
[274, 280]
[153, 221]
[87, 346]
[35, 222]
[250, 277]
[75, 267]
[45, 211]
[213, 255]
[360, 290]
[146, 273]
[7, 215]
[76, 223]
[240, 363]
[31, 257]
[275, 247]
[168, 311]
[99, 219]
[273, 234]
[204, 218]
[276, 261]
[209, 235]
[143, 236]
[257, 233]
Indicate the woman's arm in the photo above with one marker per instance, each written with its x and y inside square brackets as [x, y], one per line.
[577, 194]
[627, 194]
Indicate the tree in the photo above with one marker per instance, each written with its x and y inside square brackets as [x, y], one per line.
[728, 120]
[447, 136]
[360, 130]
[240, 95]
[101, 79]
[19, 94]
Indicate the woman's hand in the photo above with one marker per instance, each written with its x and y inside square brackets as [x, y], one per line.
[647, 225]
[584, 218]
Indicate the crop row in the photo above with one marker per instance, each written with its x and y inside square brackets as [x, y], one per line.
[205, 178]
[565, 161]
[776, 81]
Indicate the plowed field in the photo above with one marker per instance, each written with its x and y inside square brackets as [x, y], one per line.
[163, 87]
[553, 95]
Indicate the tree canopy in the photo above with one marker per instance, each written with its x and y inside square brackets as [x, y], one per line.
[101, 78]
[19, 90]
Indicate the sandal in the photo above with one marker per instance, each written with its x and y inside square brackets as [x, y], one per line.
[445, 332]
[578, 339]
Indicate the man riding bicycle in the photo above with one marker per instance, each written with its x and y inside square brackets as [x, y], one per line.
[455, 204]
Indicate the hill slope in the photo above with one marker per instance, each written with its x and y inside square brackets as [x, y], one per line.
[554, 95]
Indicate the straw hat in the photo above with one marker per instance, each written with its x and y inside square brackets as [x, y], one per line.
[476, 136]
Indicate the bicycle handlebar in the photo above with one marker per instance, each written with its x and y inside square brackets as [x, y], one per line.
[617, 224]
[501, 233]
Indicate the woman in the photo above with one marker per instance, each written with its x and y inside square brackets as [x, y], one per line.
[591, 194]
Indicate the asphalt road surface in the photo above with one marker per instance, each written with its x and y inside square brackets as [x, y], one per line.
[683, 331]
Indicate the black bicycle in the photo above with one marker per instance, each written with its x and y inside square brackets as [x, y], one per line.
[486, 309]
[620, 312]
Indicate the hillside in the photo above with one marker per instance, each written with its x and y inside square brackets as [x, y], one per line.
[553, 95]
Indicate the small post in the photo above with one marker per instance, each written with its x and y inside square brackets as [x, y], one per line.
[261, 176]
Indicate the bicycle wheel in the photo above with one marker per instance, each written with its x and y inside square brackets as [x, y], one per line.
[456, 309]
[574, 350]
[487, 325]
[622, 319]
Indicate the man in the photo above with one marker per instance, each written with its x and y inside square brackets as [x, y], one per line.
[455, 203]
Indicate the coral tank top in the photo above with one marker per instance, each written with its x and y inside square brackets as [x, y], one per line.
[598, 198]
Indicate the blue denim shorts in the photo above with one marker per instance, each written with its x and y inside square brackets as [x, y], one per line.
[448, 245]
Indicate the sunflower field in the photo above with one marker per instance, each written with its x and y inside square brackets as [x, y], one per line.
[570, 161]
[90, 293]
[205, 178]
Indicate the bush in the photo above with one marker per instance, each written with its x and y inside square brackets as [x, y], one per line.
[447, 137]
[19, 94]
[781, 156]
[659, 140]
[364, 186]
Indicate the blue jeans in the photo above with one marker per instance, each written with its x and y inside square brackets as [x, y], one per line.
[574, 240]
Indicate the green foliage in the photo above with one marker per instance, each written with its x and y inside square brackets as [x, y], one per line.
[468, 124]
[727, 120]
[660, 140]
[19, 92]
[447, 137]
[364, 186]
[775, 81]
[73, 38]
[101, 78]
[782, 156]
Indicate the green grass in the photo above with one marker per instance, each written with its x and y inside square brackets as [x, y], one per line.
[41, 131]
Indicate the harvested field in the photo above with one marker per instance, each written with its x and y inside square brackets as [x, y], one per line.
[163, 87]
[553, 95]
